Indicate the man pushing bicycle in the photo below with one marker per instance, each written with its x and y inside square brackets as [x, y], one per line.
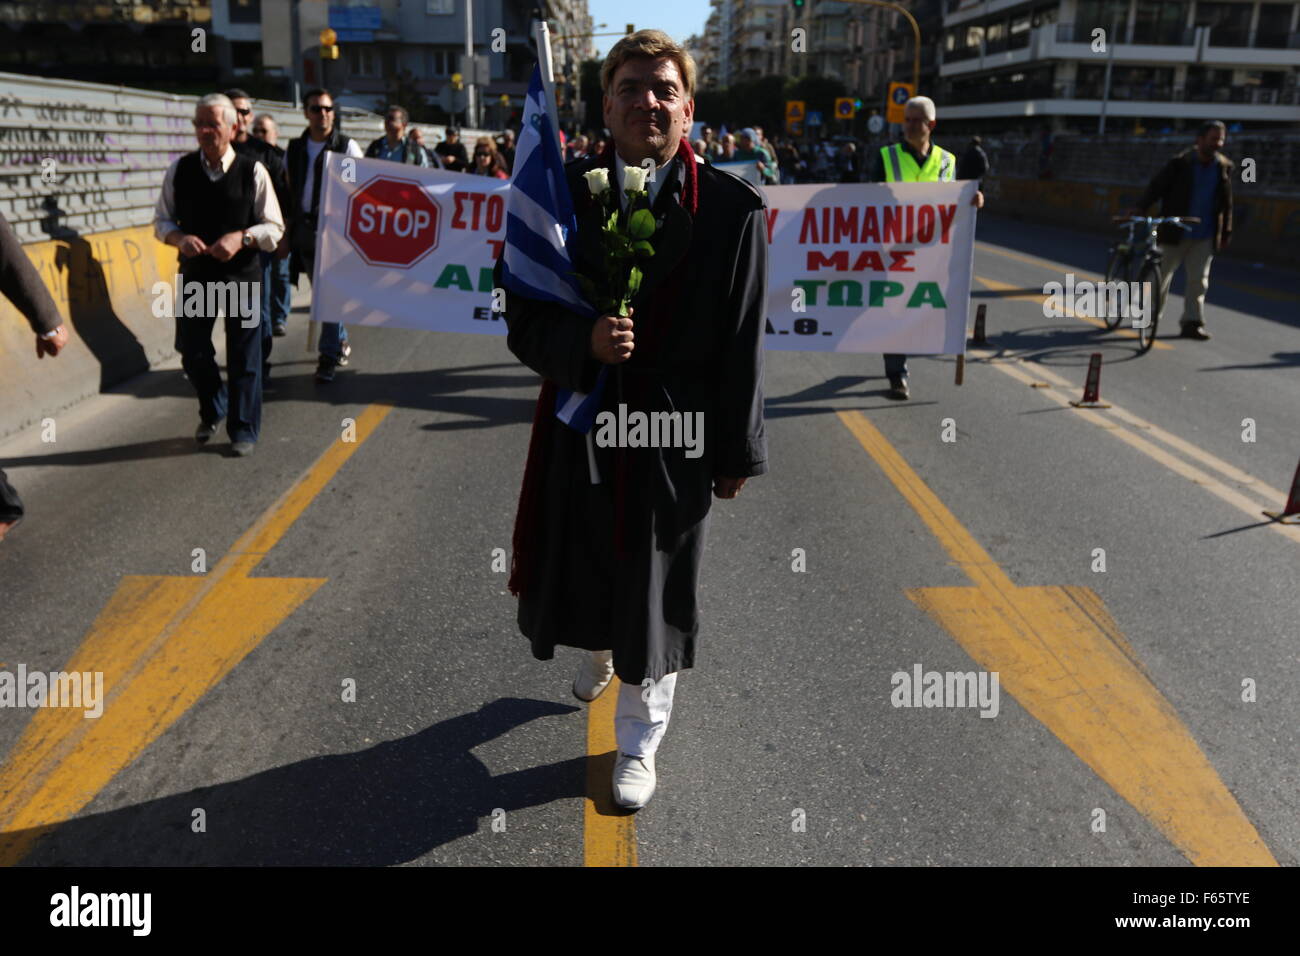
[1195, 183]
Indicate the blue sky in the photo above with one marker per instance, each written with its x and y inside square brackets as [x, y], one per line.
[678, 18]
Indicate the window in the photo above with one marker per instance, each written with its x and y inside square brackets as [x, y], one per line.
[1160, 22]
[245, 11]
[361, 59]
[1274, 24]
[246, 56]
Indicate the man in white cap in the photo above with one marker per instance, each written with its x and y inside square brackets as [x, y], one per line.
[916, 160]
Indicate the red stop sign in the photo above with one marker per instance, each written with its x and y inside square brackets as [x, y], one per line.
[393, 222]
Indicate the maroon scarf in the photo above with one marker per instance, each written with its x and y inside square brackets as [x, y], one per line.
[662, 305]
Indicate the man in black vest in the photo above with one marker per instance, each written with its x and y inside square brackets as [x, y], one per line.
[218, 209]
[306, 162]
[272, 158]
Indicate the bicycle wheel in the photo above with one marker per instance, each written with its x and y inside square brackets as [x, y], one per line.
[1150, 272]
[1118, 269]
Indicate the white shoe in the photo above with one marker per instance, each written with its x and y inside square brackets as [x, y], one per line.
[634, 780]
[594, 674]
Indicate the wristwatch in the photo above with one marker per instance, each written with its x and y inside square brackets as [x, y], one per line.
[248, 241]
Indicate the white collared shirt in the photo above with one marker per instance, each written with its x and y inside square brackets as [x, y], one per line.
[269, 228]
[662, 173]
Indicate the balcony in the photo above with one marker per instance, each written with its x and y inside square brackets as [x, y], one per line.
[1162, 93]
[1164, 36]
[1259, 40]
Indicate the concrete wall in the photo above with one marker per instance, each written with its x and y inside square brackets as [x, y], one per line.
[86, 225]
[1265, 228]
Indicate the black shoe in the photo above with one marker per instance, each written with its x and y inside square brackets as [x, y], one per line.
[898, 388]
[1195, 332]
[206, 431]
[344, 351]
[325, 370]
[279, 330]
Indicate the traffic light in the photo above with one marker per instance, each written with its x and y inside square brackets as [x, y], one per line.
[857, 104]
[797, 5]
[328, 48]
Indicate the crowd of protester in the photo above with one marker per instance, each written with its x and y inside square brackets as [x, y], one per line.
[781, 161]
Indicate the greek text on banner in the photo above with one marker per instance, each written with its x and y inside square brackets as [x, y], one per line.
[851, 268]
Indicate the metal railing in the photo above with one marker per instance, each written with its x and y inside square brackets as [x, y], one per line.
[1147, 35]
[1135, 159]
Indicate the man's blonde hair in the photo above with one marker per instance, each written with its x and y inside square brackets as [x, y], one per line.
[651, 43]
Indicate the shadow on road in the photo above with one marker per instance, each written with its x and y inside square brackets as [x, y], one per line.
[388, 804]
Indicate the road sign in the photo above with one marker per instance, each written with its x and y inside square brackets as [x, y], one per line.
[875, 124]
[814, 118]
[392, 222]
[476, 69]
[794, 113]
[899, 94]
[844, 108]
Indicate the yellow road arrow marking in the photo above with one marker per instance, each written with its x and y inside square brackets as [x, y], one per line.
[162, 643]
[1059, 653]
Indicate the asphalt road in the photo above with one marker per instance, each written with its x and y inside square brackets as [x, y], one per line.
[371, 561]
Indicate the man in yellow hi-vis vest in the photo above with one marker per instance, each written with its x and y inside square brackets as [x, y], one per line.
[916, 160]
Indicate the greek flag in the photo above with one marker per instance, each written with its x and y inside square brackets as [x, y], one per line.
[540, 223]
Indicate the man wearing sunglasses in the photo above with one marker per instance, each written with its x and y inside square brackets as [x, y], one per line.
[275, 301]
[306, 162]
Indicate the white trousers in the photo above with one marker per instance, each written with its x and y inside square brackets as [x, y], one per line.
[639, 724]
[1195, 256]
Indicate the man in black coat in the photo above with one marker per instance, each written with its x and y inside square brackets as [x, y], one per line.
[612, 566]
[21, 284]
[451, 152]
[1197, 182]
[306, 162]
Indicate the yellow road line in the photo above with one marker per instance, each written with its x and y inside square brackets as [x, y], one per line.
[998, 286]
[1058, 652]
[1270, 495]
[1247, 506]
[609, 832]
[1060, 267]
[162, 643]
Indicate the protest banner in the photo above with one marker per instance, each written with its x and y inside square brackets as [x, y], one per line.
[880, 267]
[405, 247]
[852, 268]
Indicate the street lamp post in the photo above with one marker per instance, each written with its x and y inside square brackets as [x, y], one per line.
[916, 37]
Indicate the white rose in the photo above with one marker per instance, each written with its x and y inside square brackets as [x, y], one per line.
[634, 178]
[597, 181]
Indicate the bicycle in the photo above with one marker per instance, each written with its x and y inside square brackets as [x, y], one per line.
[1124, 255]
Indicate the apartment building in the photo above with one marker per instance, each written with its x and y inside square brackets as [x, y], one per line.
[380, 39]
[1026, 64]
